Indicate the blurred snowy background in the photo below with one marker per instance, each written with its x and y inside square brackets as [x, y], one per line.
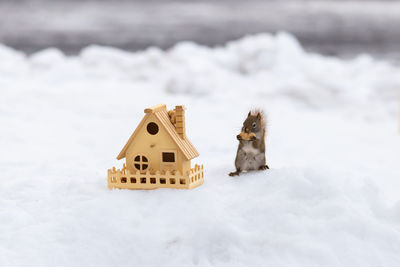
[327, 26]
[75, 77]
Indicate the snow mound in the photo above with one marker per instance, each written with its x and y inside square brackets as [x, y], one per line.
[329, 199]
[274, 66]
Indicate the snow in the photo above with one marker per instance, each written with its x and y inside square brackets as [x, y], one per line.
[330, 198]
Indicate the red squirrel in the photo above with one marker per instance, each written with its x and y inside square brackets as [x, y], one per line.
[251, 150]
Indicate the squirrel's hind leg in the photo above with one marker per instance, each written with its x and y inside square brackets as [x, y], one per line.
[236, 173]
[263, 167]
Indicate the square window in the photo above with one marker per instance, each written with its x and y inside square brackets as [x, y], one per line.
[143, 180]
[163, 181]
[168, 157]
[152, 180]
[123, 179]
[172, 180]
[182, 181]
[133, 180]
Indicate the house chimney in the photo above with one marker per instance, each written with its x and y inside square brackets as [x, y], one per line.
[180, 121]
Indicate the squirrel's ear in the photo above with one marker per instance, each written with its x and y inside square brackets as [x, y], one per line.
[258, 115]
[248, 115]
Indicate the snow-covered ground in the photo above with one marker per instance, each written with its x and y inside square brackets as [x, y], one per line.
[330, 198]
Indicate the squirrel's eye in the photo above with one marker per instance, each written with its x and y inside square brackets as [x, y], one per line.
[254, 125]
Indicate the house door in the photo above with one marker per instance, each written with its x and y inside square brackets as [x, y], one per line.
[168, 160]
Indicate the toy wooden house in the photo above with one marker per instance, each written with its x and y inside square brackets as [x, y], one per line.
[158, 154]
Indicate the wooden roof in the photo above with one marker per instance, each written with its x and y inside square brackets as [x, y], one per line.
[160, 112]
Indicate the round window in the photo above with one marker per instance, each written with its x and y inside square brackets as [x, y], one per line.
[152, 128]
[141, 163]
